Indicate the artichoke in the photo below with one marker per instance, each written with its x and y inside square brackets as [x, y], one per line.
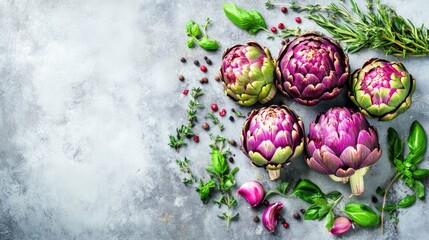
[271, 137]
[382, 89]
[341, 143]
[248, 73]
[312, 68]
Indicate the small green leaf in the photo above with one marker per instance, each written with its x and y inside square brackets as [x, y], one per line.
[208, 44]
[205, 189]
[189, 25]
[312, 212]
[419, 189]
[333, 195]
[195, 30]
[249, 20]
[419, 174]
[280, 190]
[191, 42]
[362, 214]
[417, 142]
[407, 201]
[219, 166]
[306, 190]
[388, 207]
[329, 221]
[395, 145]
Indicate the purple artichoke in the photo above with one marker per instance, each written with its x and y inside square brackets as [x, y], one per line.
[271, 137]
[312, 68]
[341, 143]
[248, 73]
[382, 89]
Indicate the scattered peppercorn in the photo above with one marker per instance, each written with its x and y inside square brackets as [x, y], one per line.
[255, 218]
[209, 62]
[222, 112]
[214, 107]
[231, 118]
[248, 113]
[203, 68]
[374, 199]
[204, 80]
[183, 60]
[281, 219]
[302, 211]
[217, 78]
[196, 63]
[196, 138]
[297, 216]
[283, 42]
[231, 159]
[233, 110]
[281, 26]
[205, 58]
[298, 20]
[285, 225]
[283, 9]
[273, 29]
[205, 126]
[181, 78]
[185, 92]
[266, 203]
[232, 142]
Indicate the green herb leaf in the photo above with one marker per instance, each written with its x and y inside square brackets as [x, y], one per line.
[388, 207]
[191, 42]
[218, 166]
[205, 189]
[407, 201]
[333, 195]
[229, 180]
[208, 44]
[420, 174]
[329, 222]
[395, 145]
[280, 190]
[417, 142]
[249, 20]
[380, 191]
[312, 212]
[195, 30]
[189, 25]
[306, 190]
[419, 189]
[362, 214]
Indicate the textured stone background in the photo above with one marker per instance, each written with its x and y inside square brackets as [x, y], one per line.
[88, 96]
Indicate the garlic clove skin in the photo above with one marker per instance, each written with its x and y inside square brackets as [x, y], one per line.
[270, 216]
[341, 226]
[252, 192]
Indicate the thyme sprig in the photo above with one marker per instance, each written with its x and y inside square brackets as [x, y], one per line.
[376, 27]
[215, 121]
[184, 167]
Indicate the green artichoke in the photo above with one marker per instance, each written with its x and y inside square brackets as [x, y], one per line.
[382, 89]
[248, 73]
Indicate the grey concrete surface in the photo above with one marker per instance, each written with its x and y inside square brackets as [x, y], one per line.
[88, 96]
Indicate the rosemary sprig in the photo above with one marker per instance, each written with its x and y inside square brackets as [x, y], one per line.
[378, 27]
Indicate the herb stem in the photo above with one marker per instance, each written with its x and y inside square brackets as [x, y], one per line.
[384, 199]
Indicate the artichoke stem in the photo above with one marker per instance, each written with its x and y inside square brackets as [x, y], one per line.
[357, 183]
[274, 173]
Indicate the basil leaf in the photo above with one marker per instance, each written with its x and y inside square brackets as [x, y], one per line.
[395, 145]
[333, 195]
[419, 174]
[419, 189]
[251, 20]
[229, 180]
[189, 25]
[306, 190]
[219, 166]
[280, 190]
[195, 30]
[417, 142]
[329, 222]
[191, 42]
[312, 212]
[388, 207]
[208, 44]
[362, 214]
[407, 201]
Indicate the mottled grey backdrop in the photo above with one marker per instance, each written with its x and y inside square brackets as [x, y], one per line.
[88, 95]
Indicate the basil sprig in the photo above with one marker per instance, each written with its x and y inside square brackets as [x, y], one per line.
[195, 34]
[249, 20]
